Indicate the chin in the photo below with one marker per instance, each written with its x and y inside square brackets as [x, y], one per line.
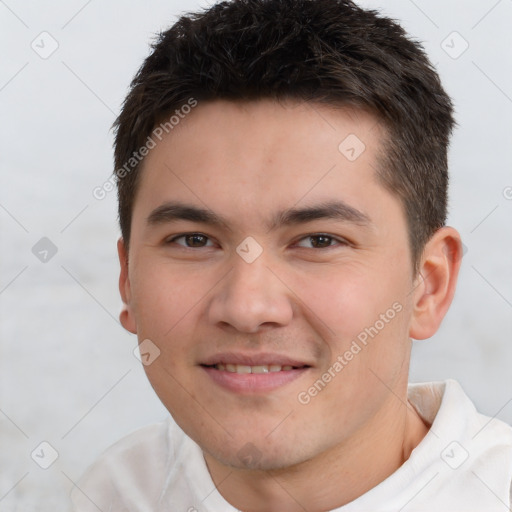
[259, 456]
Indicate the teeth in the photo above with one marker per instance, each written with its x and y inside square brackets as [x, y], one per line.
[240, 368]
[259, 369]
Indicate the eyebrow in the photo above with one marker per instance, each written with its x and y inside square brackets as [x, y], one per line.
[337, 210]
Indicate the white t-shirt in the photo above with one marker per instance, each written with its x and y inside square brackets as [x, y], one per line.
[464, 464]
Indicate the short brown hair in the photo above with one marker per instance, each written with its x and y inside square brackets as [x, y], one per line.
[327, 51]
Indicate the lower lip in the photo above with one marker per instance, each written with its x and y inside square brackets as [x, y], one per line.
[253, 382]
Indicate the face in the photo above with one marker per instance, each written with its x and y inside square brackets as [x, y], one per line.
[272, 271]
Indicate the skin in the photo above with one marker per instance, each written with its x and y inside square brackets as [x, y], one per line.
[305, 298]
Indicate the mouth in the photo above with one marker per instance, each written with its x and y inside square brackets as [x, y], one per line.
[256, 374]
[261, 368]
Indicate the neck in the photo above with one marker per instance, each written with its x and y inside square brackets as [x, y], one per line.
[331, 479]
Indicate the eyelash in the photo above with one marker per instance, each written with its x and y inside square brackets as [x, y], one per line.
[341, 241]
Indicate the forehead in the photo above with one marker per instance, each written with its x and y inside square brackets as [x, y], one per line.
[289, 129]
[254, 158]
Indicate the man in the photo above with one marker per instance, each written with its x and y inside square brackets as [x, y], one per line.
[282, 178]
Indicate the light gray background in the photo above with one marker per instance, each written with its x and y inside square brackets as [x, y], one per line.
[68, 374]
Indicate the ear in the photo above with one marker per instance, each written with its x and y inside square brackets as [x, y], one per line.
[126, 316]
[435, 283]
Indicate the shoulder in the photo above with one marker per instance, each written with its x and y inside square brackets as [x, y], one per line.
[446, 404]
[134, 467]
[469, 448]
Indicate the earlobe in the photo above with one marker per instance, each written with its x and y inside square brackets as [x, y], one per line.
[436, 282]
[126, 316]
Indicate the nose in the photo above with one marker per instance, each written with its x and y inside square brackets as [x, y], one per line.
[251, 297]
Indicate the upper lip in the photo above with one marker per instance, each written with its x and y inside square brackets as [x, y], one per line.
[259, 359]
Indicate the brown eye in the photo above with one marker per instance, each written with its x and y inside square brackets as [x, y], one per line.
[321, 241]
[192, 240]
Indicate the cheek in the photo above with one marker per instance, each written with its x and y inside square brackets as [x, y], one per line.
[163, 297]
[369, 349]
[346, 299]
[164, 307]
[361, 310]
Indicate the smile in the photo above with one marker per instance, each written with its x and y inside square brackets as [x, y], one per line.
[264, 368]
[244, 375]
